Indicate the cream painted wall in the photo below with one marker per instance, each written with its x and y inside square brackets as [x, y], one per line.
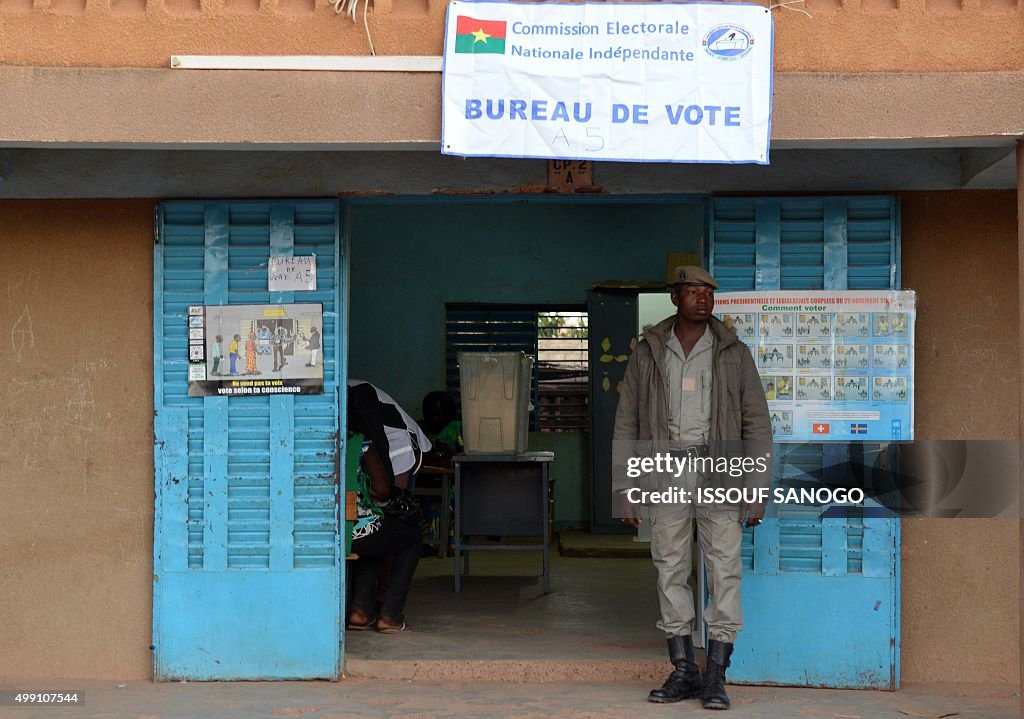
[960, 576]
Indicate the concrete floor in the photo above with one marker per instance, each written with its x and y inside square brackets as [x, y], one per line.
[357, 698]
[597, 624]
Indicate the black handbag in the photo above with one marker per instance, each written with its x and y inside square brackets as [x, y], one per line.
[401, 506]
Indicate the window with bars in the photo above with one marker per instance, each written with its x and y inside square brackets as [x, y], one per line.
[555, 336]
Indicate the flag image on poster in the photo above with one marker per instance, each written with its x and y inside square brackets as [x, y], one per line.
[624, 81]
[479, 36]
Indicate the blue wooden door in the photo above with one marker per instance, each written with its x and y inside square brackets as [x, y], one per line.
[247, 565]
[820, 596]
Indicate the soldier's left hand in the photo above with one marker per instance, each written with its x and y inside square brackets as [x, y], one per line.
[751, 513]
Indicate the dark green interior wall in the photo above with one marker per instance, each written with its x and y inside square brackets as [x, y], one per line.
[569, 474]
[408, 260]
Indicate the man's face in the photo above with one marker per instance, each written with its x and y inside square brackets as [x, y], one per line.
[434, 418]
[694, 303]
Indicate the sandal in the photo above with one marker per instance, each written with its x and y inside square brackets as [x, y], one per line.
[393, 629]
[370, 622]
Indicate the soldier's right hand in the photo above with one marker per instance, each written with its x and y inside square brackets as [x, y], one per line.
[629, 511]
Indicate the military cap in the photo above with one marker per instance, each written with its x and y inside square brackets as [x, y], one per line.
[693, 275]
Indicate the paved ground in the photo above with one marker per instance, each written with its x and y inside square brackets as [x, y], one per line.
[504, 649]
[353, 699]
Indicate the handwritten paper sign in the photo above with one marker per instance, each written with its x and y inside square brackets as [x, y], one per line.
[292, 274]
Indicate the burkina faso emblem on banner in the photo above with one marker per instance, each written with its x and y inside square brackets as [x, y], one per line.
[479, 36]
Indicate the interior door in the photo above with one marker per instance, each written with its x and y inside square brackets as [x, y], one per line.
[612, 315]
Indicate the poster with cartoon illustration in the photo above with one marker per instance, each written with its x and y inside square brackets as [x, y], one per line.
[775, 325]
[814, 388]
[250, 350]
[744, 325]
[841, 362]
[777, 387]
[851, 389]
[852, 357]
[890, 356]
[782, 423]
[813, 325]
[775, 356]
[889, 389]
[814, 356]
[852, 324]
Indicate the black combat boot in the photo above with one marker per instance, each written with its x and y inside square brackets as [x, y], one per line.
[713, 696]
[684, 681]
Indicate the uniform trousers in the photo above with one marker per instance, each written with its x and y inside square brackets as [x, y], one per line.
[720, 535]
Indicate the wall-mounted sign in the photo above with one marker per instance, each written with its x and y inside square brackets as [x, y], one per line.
[834, 366]
[292, 274]
[633, 82]
[567, 175]
[249, 350]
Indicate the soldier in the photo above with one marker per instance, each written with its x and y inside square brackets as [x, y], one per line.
[692, 385]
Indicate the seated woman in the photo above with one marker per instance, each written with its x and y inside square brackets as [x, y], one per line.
[398, 438]
[375, 537]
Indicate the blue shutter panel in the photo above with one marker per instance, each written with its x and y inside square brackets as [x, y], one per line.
[815, 243]
[247, 488]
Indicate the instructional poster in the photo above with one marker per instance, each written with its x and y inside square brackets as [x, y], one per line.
[834, 366]
[247, 350]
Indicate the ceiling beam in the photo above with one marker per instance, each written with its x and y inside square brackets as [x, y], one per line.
[984, 167]
[134, 108]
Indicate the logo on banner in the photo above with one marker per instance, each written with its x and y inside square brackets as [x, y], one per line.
[858, 428]
[728, 42]
[897, 429]
[820, 428]
[479, 36]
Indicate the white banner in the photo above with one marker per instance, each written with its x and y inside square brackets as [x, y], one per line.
[633, 82]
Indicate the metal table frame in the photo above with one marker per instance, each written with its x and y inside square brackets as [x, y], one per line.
[444, 493]
[539, 462]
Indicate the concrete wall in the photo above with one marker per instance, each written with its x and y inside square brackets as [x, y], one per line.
[571, 474]
[76, 428]
[961, 581]
[842, 35]
[76, 472]
[409, 260]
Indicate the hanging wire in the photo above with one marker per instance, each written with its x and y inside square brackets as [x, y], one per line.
[786, 6]
[351, 8]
